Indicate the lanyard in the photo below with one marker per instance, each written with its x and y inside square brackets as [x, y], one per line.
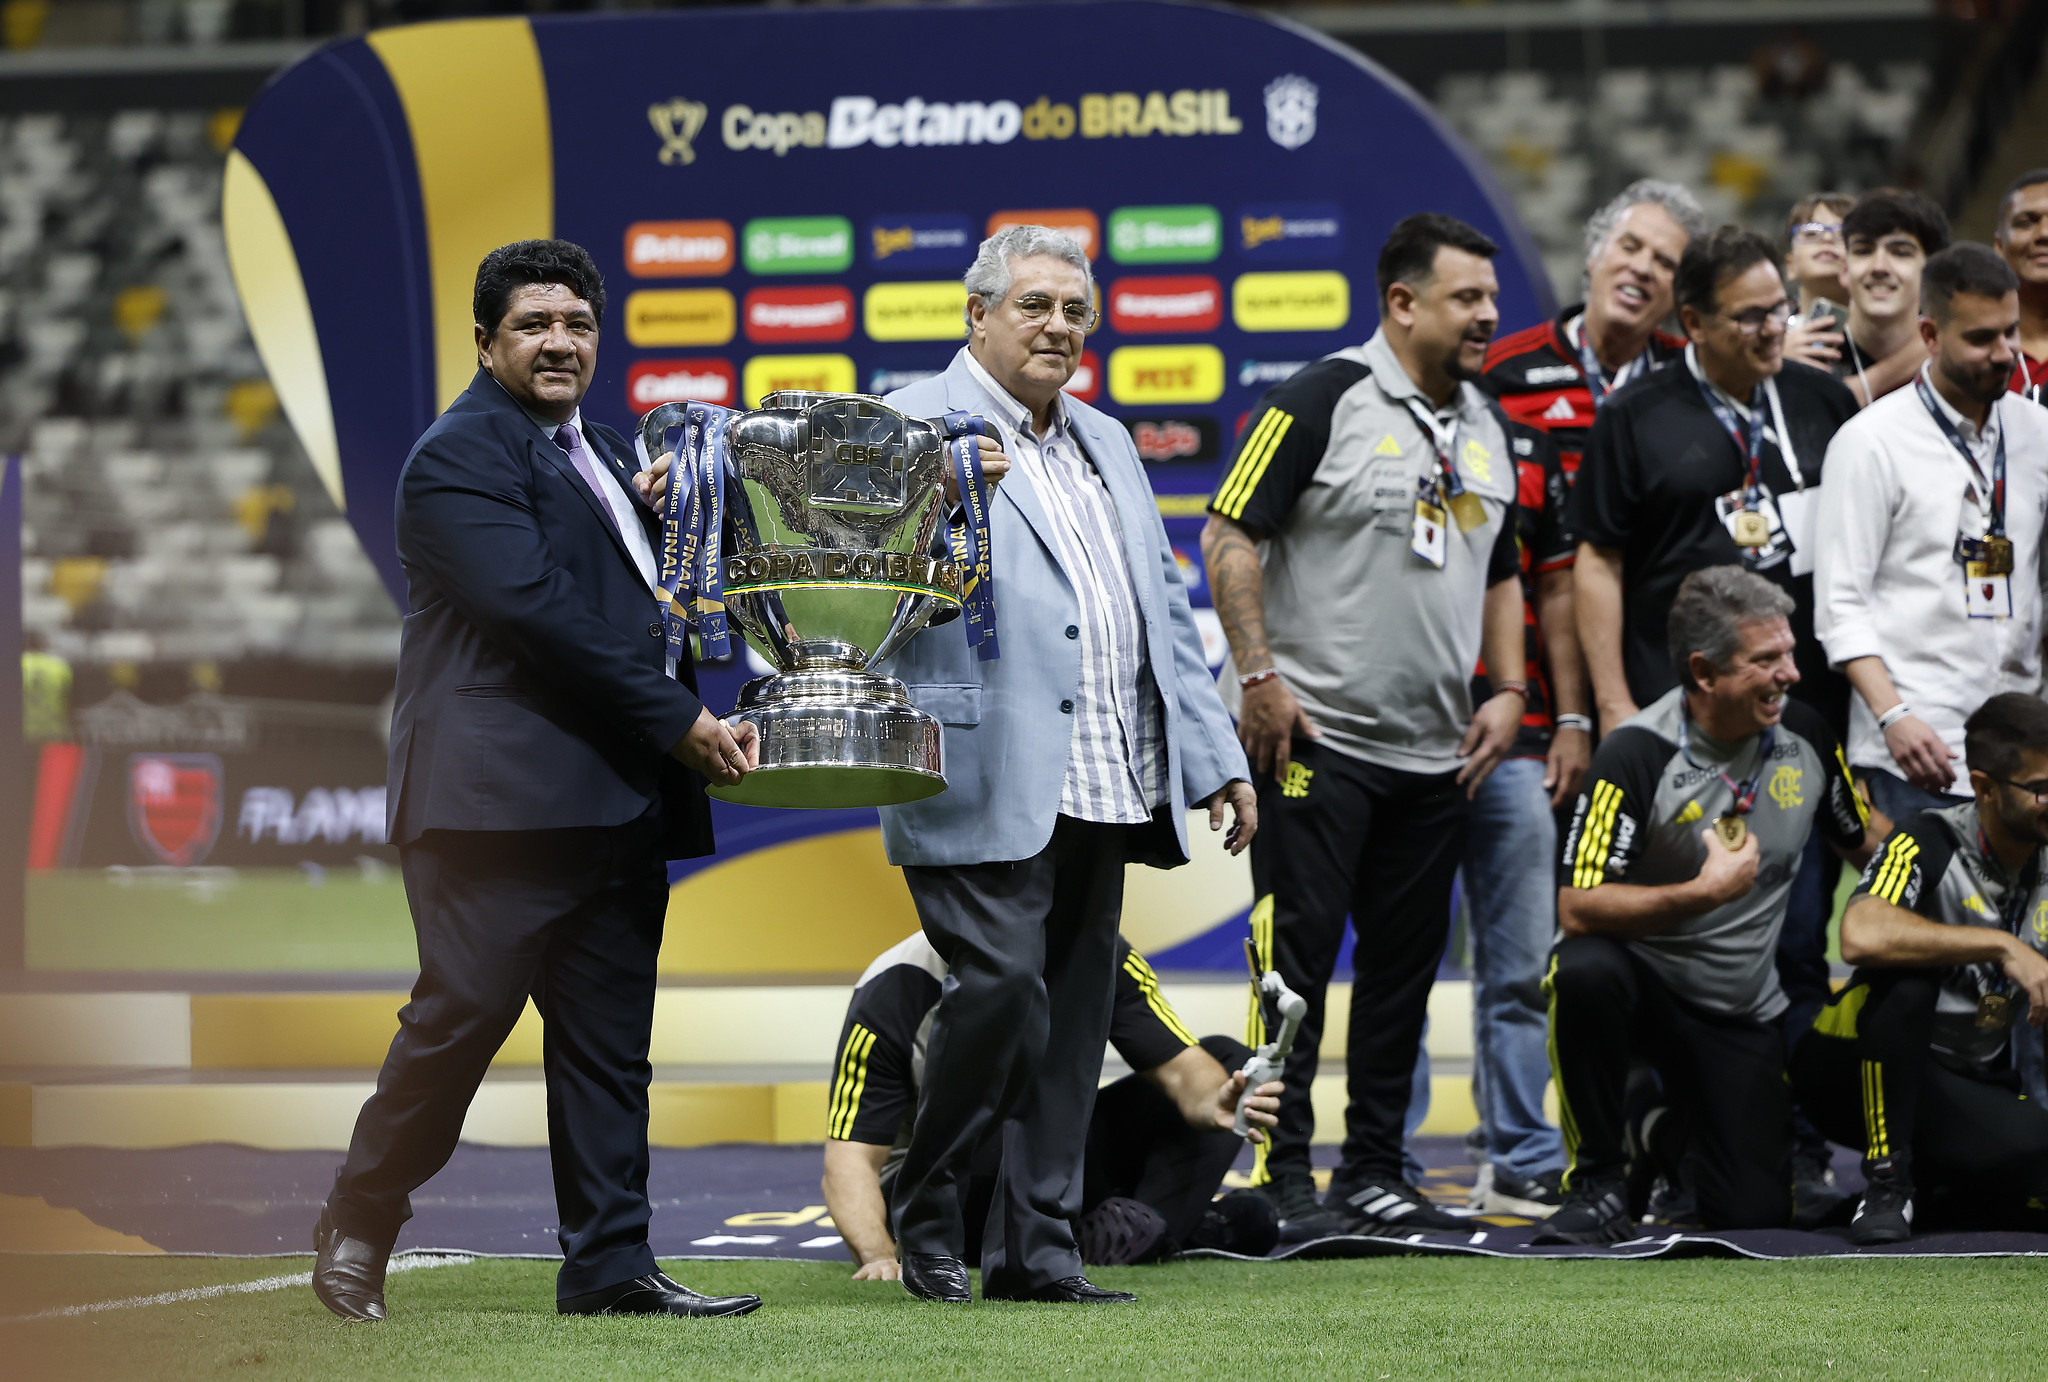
[1749, 440]
[1995, 486]
[2025, 880]
[1446, 444]
[1589, 364]
[1743, 792]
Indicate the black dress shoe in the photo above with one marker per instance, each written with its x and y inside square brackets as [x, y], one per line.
[935, 1276]
[1074, 1290]
[654, 1294]
[348, 1274]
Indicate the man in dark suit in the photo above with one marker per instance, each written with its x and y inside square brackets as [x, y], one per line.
[543, 767]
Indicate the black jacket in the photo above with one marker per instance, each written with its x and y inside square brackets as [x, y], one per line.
[531, 690]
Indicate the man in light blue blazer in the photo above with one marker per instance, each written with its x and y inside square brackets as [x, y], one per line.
[1079, 749]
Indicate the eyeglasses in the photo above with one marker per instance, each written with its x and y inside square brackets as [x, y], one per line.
[1751, 323]
[2037, 790]
[1036, 310]
[1817, 233]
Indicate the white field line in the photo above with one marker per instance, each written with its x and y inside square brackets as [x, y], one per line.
[404, 1262]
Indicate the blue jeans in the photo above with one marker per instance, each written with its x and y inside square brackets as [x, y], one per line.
[1510, 879]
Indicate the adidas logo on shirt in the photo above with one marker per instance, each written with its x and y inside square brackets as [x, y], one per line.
[1561, 411]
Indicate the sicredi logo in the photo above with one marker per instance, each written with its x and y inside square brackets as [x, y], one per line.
[1165, 439]
[1256, 373]
[1165, 234]
[679, 249]
[1290, 230]
[915, 311]
[1319, 301]
[823, 313]
[1075, 221]
[1086, 383]
[797, 245]
[679, 317]
[1180, 305]
[767, 374]
[651, 383]
[920, 242]
[1165, 374]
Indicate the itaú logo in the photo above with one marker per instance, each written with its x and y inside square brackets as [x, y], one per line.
[823, 313]
[651, 383]
[1181, 303]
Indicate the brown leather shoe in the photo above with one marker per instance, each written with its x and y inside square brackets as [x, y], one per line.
[348, 1274]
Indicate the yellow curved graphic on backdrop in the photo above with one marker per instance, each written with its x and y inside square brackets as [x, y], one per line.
[477, 104]
[280, 317]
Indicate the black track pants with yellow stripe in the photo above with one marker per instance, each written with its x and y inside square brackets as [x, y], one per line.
[1866, 1076]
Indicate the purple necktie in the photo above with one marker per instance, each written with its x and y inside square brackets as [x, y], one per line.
[569, 441]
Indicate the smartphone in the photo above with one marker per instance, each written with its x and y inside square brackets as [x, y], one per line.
[1826, 313]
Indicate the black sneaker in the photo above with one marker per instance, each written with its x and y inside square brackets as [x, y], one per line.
[1302, 1216]
[1244, 1222]
[1119, 1232]
[1814, 1192]
[1886, 1213]
[1593, 1212]
[1673, 1204]
[1504, 1192]
[1389, 1209]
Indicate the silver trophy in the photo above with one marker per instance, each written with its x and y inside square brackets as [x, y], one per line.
[831, 510]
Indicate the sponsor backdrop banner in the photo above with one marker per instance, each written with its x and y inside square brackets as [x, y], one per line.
[788, 199]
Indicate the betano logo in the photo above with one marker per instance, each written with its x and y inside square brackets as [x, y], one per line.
[855, 121]
[1165, 234]
[679, 317]
[678, 249]
[1318, 301]
[1075, 221]
[1180, 305]
[823, 313]
[797, 244]
[915, 311]
[767, 374]
[651, 383]
[1165, 374]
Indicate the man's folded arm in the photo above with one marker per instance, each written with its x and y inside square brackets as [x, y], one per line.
[478, 538]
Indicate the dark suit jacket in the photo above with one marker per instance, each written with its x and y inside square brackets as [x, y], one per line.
[531, 689]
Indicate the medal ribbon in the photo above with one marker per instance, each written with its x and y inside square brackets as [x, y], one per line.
[1589, 365]
[1748, 440]
[1743, 792]
[692, 584]
[970, 542]
[2011, 914]
[1995, 486]
[1446, 448]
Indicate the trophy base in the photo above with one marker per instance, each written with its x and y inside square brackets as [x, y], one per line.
[834, 740]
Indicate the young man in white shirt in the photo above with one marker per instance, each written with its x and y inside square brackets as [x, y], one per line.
[1928, 577]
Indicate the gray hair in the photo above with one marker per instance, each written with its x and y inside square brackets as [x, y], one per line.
[1674, 197]
[988, 277]
[1707, 617]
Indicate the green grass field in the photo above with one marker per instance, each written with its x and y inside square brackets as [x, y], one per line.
[1394, 1318]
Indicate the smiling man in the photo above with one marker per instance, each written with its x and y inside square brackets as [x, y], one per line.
[1673, 887]
[544, 766]
[2022, 237]
[1887, 237]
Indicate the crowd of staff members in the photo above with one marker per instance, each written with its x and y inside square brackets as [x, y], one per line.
[1640, 622]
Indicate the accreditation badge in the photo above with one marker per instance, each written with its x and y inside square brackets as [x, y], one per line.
[1429, 540]
[1986, 595]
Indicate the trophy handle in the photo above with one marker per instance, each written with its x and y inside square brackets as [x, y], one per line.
[654, 427]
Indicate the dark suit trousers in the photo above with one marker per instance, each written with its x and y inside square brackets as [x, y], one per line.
[1015, 1048]
[572, 917]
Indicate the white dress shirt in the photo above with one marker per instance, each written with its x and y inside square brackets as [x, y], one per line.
[1887, 583]
[1116, 759]
[625, 508]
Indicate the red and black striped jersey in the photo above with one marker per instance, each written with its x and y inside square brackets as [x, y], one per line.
[1535, 373]
[2030, 378]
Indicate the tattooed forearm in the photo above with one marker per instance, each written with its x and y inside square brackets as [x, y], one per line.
[1237, 587]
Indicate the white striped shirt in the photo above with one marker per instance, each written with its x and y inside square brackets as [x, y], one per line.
[1116, 759]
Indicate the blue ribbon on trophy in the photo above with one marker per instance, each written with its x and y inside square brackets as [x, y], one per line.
[716, 461]
[969, 542]
[691, 583]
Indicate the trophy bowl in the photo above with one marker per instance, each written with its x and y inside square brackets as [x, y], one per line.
[833, 503]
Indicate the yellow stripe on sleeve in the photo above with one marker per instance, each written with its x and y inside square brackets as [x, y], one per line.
[1900, 851]
[1148, 985]
[1842, 762]
[1589, 869]
[849, 1083]
[1251, 464]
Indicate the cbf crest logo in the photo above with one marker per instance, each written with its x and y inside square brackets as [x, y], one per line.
[174, 805]
[677, 122]
[1291, 111]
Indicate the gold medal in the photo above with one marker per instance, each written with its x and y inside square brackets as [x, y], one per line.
[1732, 830]
[1468, 510]
[1752, 529]
[1998, 556]
[1994, 1010]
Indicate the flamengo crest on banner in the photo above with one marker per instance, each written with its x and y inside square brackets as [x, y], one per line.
[174, 805]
